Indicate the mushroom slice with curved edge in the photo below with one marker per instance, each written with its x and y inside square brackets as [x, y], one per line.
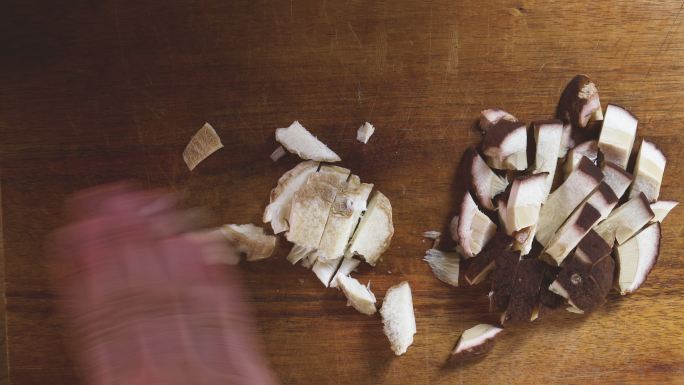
[471, 228]
[563, 201]
[617, 178]
[374, 232]
[548, 135]
[311, 205]
[617, 135]
[578, 102]
[491, 116]
[298, 140]
[346, 267]
[484, 182]
[325, 269]
[278, 210]
[661, 209]
[358, 296]
[525, 200]
[636, 258]
[524, 298]
[648, 172]
[625, 220]
[399, 321]
[588, 149]
[204, 143]
[475, 341]
[483, 263]
[502, 140]
[444, 265]
[570, 234]
[365, 132]
[249, 240]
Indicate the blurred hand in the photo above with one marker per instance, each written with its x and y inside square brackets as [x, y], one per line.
[142, 305]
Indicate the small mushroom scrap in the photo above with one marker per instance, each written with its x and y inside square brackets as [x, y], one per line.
[204, 143]
[476, 341]
[444, 265]
[358, 296]
[298, 140]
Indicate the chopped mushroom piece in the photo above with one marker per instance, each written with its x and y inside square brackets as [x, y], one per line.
[471, 229]
[444, 265]
[661, 209]
[617, 135]
[374, 232]
[524, 298]
[502, 140]
[346, 267]
[358, 296]
[626, 220]
[592, 248]
[475, 341]
[648, 172]
[278, 153]
[364, 132]
[204, 143]
[517, 161]
[525, 200]
[298, 140]
[432, 234]
[563, 201]
[571, 233]
[636, 258]
[548, 135]
[298, 253]
[484, 182]
[503, 277]
[587, 149]
[278, 210]
[617, 178]
[250, 240]
[585, 286]
[325, 269]
[491, 116]
[566, 141]
[578, 102]
[398, 318]
[480, 266]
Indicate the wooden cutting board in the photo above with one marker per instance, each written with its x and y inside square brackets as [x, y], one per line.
[101, 91]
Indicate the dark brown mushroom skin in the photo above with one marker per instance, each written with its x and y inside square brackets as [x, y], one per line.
[499, 243]
[499, 131]
[547, 298]
[587, 285]
[524, 296]
[571, 102]
[592, 248]
[503, 276]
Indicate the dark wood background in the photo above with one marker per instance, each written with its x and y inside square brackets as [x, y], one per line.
[97, 91]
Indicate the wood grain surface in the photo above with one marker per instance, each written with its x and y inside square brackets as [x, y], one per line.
[98, 91]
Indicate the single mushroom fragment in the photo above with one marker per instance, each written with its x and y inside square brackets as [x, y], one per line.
[399, 321]
[517, 161]
[444, 265]
[249, 240]
[524, 298]
[483, 181]
[503, 277]
[501, 202]
[525, 200]
[592, 248]
[617, 135]
[585, 286]
[587, 149]
[299, 253]
[298, 140]
[432, 234]
[483, 264]
[359, 297]
[603, 199]
[471, 228]
[278, 153]
[548, 135]
[661, 209]
[278, 210]
[563, 201]
[311, 205]
[625, 220]
[648, 172]
[364, 132]
[475, 341]
[503, 139]
[567, 142]
[325, 269]
[571, 233]
[636, 258]
[346, 267]
[578, 102]
[204, 143]
[617, 178]
[374, 232]
[491, 116]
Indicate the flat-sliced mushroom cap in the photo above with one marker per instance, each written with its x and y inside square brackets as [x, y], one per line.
[603, 199]
[298, 140]
[578, 102]
[204, 143]
[648, 172]
[617, 135]
[636, 258]
[475, 341]
[661, 209]
[364, 132]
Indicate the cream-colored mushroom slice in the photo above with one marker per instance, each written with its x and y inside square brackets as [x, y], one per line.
[625, 220]
[603, 199]
[503, 139]
[346, 267]
[365, 132]
[278, 153]
[249, 240]
[563, 201]
[344, 215]
[359, 297]
[648, 172]
[399, 321]
[548, 135]
[472, 229]
[617, 135]
[311, 205]
[661, 209]
[525, 200]
[278, 210]
[374, 232]
[485, 183]
[517, 161]
[587, 149]
[617, 178]
[571, 233]
[325, 269]
[636, 258]
[444, 265]
[298, 140]
[204, 143]
[475, 341]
